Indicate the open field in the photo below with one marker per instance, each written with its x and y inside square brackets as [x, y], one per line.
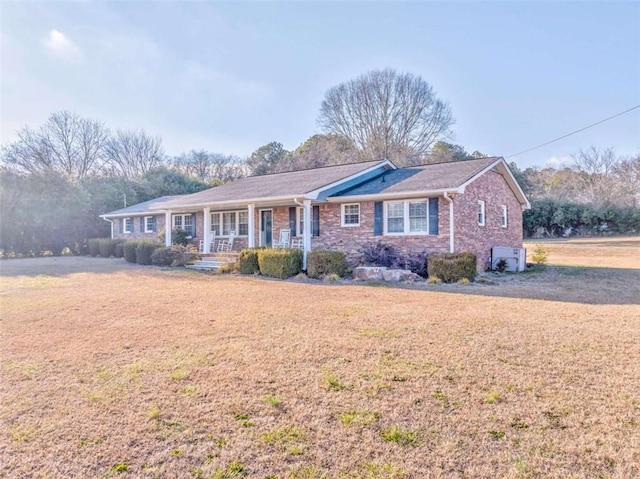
[113, 370]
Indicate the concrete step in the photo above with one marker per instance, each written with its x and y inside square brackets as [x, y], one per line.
[209, 264]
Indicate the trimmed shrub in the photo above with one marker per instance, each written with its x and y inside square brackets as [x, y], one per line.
[107, 247]
[129, 249]
[280, 263]
[118, 251]
[323, 263]
[179, 237]
[94, 246]
[166, 256]
[452, 267]
[144, 250]
[248, 261]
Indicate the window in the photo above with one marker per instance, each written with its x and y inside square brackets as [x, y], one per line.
[127, 225]
[149, 224]
[481, 213]
[243, 223]
[418, 217]
[351, 214]
[407, 217]
[183, 222]
[222, 223]
[395, 217]
[300, 221]
[505, 218]
[215, 223]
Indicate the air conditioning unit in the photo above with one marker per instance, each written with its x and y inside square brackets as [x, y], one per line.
[516, 258]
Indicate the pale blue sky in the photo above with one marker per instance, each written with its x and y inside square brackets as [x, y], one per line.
[230, 77]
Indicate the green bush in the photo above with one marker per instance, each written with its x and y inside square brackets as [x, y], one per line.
[323, 263]
[248, 261]
[144, 250]
[107, 247]
[166, 256]
[129, 249]
[280, 263]
[452, 267]
[118, 251]
[94, 246]
[179, 237]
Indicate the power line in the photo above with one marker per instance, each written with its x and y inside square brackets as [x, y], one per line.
[574, 132]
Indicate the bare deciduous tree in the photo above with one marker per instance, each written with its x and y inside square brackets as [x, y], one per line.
[66, 143]
[211, 167]
[596, 182]
[387, 115]
[133, 153]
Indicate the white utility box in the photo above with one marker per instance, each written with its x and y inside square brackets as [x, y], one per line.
[516, 258]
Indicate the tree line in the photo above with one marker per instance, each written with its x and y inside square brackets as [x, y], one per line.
[58, 178]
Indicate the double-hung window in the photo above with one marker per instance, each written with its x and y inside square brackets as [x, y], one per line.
[351, 214]
[127, 225]
[407, 217]
[299, 221]
[481, 213]
[222, 223]
[183, 222]
[149, 224]
[504, 218]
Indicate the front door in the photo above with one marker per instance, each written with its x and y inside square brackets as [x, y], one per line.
[265, 228]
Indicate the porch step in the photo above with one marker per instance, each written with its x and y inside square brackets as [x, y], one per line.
[214, 261]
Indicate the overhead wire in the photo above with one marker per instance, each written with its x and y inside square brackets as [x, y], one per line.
[573, 132]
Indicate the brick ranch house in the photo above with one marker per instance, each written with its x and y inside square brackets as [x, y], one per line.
[446, 207]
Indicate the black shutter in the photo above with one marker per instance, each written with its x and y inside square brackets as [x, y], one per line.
[121, 225]
[292, 220]
[193, 225]
[316, 220]
[153, 224]
[377, 218]
[142, 228]
[433, 216]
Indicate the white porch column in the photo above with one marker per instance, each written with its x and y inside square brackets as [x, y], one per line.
[306, 234]
[252, 225]
[206, 235]
[167, 228]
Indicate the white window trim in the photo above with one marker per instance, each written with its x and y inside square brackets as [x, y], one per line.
[237, 213]
[504, 219]
[482, 210]
[146, 229]
[406, 218]
[173, 221]
[342, 214]
[124, 225]
[299, 221]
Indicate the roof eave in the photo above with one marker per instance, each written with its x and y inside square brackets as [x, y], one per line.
[392, 196]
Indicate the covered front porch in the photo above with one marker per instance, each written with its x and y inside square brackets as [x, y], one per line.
[233, 227]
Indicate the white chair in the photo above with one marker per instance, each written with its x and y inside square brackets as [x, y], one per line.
[212, 237]
[284, 241]
[296, 243]
[226, 245]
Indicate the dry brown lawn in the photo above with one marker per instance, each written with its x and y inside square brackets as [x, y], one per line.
[113, 370]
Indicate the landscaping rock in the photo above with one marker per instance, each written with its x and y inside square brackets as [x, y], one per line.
[397, 275]
[369, 273]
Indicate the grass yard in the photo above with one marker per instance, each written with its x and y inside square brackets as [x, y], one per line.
[113, 370]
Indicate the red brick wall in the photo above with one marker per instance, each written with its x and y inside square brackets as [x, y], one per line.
[351, 239]
[469, 236]
[137, 234]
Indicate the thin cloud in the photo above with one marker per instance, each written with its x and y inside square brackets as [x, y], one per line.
[60, 45]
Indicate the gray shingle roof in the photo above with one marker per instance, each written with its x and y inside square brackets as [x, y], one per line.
[142, 208]
[437, 176]
[294, 183]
